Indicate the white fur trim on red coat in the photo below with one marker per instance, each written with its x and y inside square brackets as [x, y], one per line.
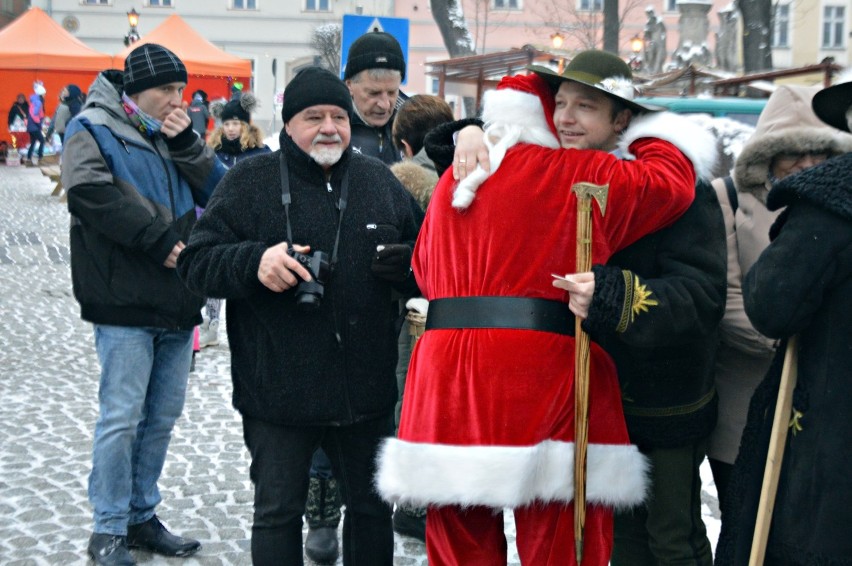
[510, 117]
[693, 140]
[508, 476]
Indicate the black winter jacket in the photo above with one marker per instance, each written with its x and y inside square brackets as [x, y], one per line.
[132, 198]
[656, 310]
[372, 141]
[286, 364]
[802, 285]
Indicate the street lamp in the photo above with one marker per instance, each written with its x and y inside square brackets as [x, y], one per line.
[636, 46]
[557, 40]
[132, 35]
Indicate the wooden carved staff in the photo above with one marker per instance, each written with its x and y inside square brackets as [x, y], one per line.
[585, 193]
[777, 444]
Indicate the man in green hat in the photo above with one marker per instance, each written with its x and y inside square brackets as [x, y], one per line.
[490, 393]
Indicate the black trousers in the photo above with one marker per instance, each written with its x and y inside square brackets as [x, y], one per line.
[281, 460]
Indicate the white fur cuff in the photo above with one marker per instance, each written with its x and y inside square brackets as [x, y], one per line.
[696, 142]
[508, 476]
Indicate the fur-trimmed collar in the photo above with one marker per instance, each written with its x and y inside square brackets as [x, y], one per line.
[522, 112]
[751, 170]
[826, 185]
[416, 179]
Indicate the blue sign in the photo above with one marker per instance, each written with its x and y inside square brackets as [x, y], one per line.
[356, 26]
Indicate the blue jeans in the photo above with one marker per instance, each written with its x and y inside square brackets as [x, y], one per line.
[280, 460]
[142, 389]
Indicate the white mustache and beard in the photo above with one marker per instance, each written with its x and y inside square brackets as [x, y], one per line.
[326, 156]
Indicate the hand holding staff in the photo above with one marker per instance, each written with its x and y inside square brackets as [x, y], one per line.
[585, 193]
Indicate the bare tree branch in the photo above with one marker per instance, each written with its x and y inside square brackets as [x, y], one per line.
[325, 41]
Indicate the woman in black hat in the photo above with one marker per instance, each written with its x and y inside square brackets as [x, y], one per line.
[801, 286]
[237, 138]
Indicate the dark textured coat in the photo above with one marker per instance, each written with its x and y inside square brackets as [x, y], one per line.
[802, 285]
[374, 141]
[665, 355]
[287, 365]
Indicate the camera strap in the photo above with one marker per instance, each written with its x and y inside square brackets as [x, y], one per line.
[286, 199]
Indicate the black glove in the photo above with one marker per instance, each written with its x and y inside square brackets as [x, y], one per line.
[392, 262]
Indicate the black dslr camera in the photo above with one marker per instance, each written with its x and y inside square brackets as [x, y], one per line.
[309, 293]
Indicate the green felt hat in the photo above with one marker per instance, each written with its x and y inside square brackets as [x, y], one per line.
[601, 70]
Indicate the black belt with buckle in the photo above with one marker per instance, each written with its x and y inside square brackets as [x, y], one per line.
[522, 313]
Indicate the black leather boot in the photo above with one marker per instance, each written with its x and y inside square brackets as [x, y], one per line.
[410, 521]
[323, 514]
[153, 536]
[110, 550]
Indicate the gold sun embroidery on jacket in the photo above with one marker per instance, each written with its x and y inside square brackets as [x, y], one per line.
[641, 299]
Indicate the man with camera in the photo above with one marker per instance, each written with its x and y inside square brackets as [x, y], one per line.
[313, 347]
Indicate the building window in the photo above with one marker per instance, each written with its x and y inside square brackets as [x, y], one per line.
[671, 5]
[833, 20]
[317, 6]
[507, 4]
[590, 5]
[245, 5]
[781, 27]
[99, 2]
[161, 3]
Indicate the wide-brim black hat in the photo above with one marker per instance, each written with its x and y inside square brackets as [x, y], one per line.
[600, 70]
[831, 104]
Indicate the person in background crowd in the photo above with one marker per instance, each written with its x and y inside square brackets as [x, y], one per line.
[801, 286]
[375, 67]
[35, 117]
[313, 350]
[496, 430]
[788, 138]
[70, 103]
[236, 139]
[414, 119]
[17, 120]
[199, 113]
[135, 171]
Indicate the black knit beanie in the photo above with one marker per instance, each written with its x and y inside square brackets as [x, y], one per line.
[151, 65]
[374, 50]
[234, 110]
[312, 86]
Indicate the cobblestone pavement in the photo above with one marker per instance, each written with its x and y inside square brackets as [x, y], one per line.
[49, 406]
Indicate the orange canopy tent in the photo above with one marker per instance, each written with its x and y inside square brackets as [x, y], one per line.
[35, 47]
[210, 69]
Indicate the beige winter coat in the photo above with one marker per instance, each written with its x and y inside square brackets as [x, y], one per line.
[787, 124]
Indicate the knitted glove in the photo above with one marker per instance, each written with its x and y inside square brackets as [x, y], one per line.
[392, 262]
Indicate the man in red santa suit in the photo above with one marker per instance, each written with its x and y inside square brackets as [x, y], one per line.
[488, 418]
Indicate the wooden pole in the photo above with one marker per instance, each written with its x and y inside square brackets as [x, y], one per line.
[585, 193]
[775, 457]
